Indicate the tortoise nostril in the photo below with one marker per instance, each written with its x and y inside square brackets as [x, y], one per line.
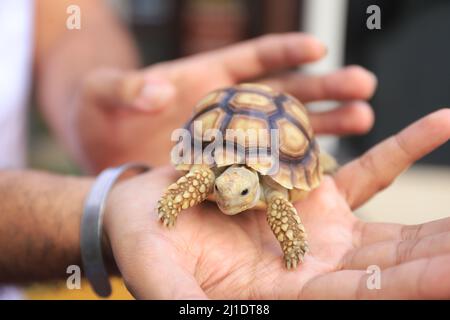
[244, 192]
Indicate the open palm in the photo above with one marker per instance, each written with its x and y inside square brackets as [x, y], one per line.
[209, 254]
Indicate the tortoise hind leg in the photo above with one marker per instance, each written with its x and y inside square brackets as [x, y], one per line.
[287, 227]
[189, 190]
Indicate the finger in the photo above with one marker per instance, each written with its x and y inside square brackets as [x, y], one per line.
[419, 279]
[362, 178]
[266, 54]
[114, 88]
[350, 118]
[390, 253]
[151, 270]
[369, 233]
[349, 83]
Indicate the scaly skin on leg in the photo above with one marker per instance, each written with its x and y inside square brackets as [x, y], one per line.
[288, 229]
[189, 190]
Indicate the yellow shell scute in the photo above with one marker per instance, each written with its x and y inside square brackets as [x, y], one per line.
[255, 86]
[292, 140]
[210, 99]
[207, 121]
[298, 112]
[283, 176]
[246, 100]
[248, 131]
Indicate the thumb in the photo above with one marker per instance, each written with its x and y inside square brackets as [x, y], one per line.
[113, 88]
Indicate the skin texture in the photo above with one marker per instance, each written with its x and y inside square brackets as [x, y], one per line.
[39, 224]
[211, 255]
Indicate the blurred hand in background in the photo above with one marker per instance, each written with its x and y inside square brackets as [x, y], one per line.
[107, 110]
[130, 115]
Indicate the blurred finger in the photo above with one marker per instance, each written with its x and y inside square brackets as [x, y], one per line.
[349, 83]
[362, 178]
[266, 54]
[390, 253]
[350, 118]
[128, 90]
[419, 279]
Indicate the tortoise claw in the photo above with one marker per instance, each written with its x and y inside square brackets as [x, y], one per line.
[295, 257]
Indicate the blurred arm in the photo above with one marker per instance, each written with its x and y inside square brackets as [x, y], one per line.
[64, 57]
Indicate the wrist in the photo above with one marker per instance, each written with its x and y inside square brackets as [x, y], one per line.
[95, 249]
[108, 253]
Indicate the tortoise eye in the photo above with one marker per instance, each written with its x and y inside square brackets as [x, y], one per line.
[244, 192]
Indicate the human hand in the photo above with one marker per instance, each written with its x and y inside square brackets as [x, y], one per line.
[211, 255]
[122, 116]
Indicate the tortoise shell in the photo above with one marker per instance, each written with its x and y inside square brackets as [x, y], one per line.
[253, 107]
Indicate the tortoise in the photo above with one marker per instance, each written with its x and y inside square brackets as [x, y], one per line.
[243, 180]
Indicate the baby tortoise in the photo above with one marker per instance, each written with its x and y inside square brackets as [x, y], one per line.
[239, 183]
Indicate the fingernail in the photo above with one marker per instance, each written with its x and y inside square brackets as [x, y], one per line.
[154, 95]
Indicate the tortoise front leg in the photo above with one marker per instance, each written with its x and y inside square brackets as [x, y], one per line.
[287, 228]
[189, 190]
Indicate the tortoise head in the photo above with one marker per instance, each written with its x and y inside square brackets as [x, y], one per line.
[237, 189]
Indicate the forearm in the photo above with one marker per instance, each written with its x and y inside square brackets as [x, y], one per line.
[63, 65]
[39, 224]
